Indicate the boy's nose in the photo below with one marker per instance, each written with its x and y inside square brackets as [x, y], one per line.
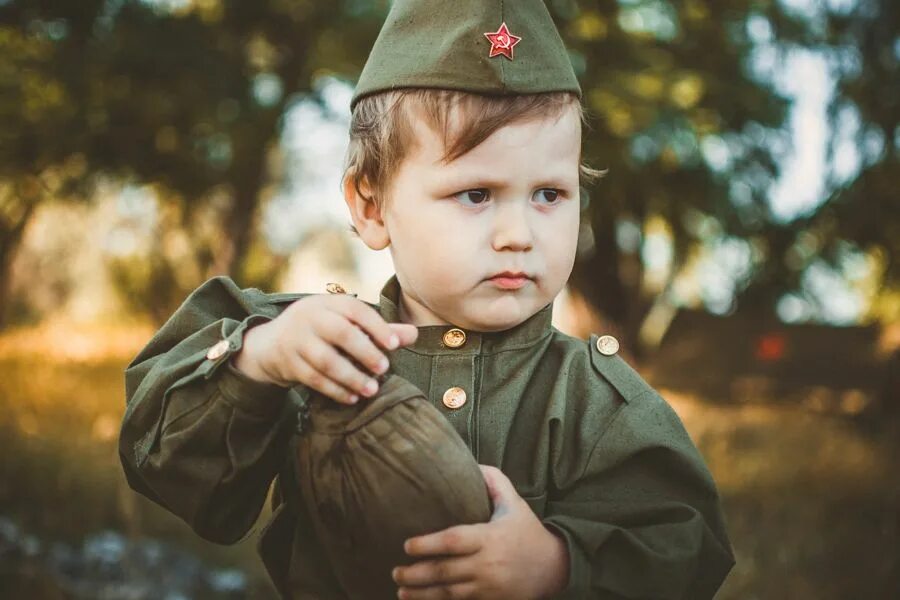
[512, 231]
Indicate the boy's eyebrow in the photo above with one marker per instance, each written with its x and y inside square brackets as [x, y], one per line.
[490, 181]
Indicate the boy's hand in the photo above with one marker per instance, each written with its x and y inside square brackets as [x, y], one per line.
[304, 343]
[511, 556]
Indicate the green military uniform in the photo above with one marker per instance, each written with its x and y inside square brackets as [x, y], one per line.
[598, 455]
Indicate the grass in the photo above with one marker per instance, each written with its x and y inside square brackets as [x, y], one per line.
[812, 501]
[61, 403]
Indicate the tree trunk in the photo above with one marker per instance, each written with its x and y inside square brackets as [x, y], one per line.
[11, 233]
[247, 178]
[610, 282]
[237, 229]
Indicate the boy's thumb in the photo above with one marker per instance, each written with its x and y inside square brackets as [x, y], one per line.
[500, 489]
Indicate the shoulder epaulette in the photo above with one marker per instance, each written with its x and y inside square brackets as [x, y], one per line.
[605, 357]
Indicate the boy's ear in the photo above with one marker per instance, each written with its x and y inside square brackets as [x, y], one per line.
[366, 215]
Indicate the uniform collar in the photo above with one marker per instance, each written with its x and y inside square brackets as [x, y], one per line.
[431, 337]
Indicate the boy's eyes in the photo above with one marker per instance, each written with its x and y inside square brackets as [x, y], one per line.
[475, 196]
[479, 196]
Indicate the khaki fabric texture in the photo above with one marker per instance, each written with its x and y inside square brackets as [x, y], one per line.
[594, 450]
[441, 44]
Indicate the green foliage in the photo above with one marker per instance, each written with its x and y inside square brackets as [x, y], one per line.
[190, 97]
[187, 98]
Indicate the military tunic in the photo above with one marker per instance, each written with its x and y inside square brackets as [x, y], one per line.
[594, 450]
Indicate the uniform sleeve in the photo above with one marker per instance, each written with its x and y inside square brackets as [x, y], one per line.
[644, 519]
[199, 437]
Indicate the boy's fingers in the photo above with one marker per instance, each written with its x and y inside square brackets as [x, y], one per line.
[434, 572]
[460, 539]
[329, 362]
[312, 377]
[406, 332]
[370, 322]
[354, 341]
[350, 341]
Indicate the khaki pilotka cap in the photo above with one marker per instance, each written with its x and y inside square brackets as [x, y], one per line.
[479, 46]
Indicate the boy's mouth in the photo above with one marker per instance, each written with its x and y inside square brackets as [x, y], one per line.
[510, 280]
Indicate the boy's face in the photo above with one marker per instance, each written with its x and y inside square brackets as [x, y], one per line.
[509, 205]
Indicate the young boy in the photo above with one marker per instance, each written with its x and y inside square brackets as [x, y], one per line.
[465, 163]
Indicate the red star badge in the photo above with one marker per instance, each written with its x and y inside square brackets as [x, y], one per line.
[502, 42]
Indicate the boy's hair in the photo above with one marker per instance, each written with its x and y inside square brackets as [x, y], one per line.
[381, 133]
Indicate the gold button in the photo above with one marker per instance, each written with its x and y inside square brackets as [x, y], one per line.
[335, 288]
[454, 338]
[607, 345]
[218, 350]
[454, 397]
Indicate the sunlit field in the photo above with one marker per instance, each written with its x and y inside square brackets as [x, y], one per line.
[812, 501]
[62, 396]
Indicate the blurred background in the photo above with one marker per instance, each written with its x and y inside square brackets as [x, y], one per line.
[744, 247]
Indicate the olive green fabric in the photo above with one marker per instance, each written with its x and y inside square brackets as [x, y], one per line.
[375, 474]
[441, 44]
[595, 451]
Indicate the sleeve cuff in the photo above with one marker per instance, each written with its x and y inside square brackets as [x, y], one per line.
[258, 398]
[578, 586]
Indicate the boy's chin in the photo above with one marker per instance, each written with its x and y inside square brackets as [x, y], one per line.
[497, 318]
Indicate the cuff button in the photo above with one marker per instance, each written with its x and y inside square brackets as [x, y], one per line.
[218, 350]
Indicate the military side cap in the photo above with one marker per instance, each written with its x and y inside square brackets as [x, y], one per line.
[478, 46]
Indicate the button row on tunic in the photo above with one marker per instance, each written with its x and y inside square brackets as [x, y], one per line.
[454, 397]
[454, 338]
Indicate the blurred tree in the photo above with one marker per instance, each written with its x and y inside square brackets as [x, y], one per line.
[188, 97]
[863, 45]
[185, 96]
[664, 79]
[39, 153]
[693, 135]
